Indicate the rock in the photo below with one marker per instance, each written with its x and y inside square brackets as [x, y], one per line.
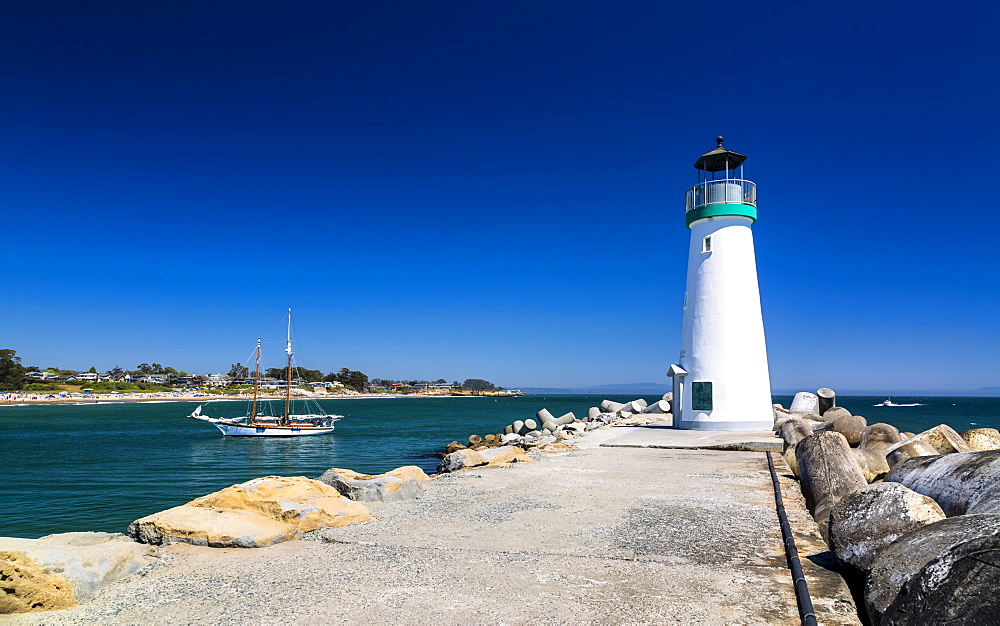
[539, 441]
[794, 430]
[947, 572]
[961, 483]
[595, 425]
[505, 455]
[402, 483]
[460, 460]
[552, 448]
[563, 435]
[864, 522]
[28, 587]
[827, 471]
[254, 514]
[454, 446]
[778, 421]
[475, 440]
[507, 440]
[804, 402]
[831, 414]
[879, 436]
[872, 463]
[59, 571]
[826, 399]
[982, 439]
[851, 427]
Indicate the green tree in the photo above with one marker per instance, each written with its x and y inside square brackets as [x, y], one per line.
[349, 378]
[478, 384]
[310, 376]
[92, 370]
[276, 372]
[238, 370]
[144, 368]
[12, 376]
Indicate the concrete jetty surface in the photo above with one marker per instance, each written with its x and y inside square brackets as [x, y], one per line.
[601, 534]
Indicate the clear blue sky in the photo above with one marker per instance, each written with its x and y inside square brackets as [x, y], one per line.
[495, 190]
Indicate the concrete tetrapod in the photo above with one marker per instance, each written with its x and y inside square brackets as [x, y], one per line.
[981, 439]
[879, 436]
[961, 483]
[864, 522]
[827, 471]
[794, 430]
[804, 402]
[947, 572]
[826, 399]
[872, 463]
[659, 407]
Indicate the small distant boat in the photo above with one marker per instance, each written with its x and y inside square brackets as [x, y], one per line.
[287, 424]
[889, 402]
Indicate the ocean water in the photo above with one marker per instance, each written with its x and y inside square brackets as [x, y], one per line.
[101, 466]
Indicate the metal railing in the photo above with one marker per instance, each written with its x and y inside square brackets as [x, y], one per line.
[723, 191]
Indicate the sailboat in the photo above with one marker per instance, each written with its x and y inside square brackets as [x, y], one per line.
[256, 423]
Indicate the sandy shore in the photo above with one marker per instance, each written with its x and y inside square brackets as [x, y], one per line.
[104, 398]
[601, 534]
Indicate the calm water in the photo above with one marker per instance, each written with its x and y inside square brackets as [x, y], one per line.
[101, 466]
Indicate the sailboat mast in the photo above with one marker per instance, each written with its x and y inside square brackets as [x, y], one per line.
[288, 381]
[256, 385]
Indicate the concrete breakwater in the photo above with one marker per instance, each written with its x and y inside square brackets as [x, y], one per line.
[63, 570]
[912, 518]
[598, 533]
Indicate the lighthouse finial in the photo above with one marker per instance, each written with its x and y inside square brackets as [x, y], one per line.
[719, 139]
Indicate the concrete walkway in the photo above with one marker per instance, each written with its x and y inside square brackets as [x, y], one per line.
[602, 534]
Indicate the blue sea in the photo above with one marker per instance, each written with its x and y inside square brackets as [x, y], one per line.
[101, 466]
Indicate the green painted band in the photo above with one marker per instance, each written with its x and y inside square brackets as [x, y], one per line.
[718, 210]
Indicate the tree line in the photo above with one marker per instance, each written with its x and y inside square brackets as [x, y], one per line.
[14, 375]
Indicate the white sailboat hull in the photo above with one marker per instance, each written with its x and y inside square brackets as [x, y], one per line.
[230, 429]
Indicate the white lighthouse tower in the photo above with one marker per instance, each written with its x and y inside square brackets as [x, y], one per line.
[721, 381]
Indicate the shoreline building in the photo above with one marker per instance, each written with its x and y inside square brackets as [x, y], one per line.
[721, 380]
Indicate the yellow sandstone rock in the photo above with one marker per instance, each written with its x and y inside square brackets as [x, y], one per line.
[506, 457]
[407, 472]
[256, 513]
[549, 448]
[27, 587]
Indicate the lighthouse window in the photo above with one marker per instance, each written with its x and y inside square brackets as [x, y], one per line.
[706, 244]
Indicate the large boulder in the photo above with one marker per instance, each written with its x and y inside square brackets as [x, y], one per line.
[402, 483]
[254, 514]
[59, 571]
[504, 456]
[461, 460]
[947, 572]
[864, 522]
[960, 483]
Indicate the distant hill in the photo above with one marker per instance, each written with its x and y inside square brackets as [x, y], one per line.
[638, 389]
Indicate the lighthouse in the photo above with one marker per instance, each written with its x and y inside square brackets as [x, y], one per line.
[721, 381]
